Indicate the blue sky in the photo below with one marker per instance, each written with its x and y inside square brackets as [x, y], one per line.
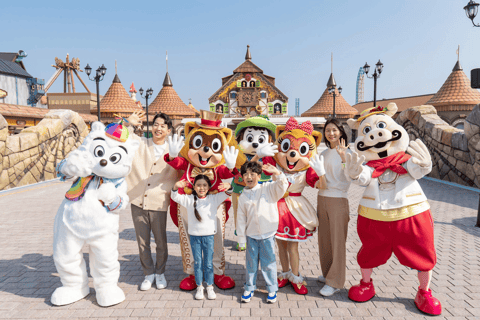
[206, 40]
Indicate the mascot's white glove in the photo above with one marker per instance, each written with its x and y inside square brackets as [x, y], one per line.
[175, 144]
[230, 155]
[79, 163]
[317, 164]
[107, 193]
[268, 150]
[420, 154]
[354, 165]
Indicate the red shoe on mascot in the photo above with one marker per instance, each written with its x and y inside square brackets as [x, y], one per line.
[201, 153]
[296, 155]
[394, 214]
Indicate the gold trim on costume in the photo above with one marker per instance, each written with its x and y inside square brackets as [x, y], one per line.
[414, 194]
[368, 198]
[393, 214]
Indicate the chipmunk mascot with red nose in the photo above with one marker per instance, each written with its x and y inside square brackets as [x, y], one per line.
[205, 151]
[394, 214]
[296, 156]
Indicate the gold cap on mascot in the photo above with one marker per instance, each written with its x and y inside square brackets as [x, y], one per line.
[376, 110]
[210, 120]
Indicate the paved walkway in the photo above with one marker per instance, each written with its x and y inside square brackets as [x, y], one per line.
[28, 275]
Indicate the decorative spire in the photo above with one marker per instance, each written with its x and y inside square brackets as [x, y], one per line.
[116, 79]
[115, 66]
[167, 82]
[457, 67]
[166, 59]
[331, 81]
[132, 88]
[248, 56]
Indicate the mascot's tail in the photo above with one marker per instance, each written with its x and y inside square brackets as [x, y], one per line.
[242, 158]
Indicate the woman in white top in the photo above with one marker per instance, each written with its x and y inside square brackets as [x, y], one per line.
[202, 226]
[333, 209]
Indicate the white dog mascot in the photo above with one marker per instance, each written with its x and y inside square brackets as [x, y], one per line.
[89, 215]
[394, 214]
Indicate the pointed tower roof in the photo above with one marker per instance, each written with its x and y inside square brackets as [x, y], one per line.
[190, 105]
[248, 65]
[117, 99]
[456, 91]
[168, 102]
[248, 56]
[324, 106]
[132, 88]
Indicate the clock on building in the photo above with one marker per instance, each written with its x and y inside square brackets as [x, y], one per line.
[248, 77]
[247, 97]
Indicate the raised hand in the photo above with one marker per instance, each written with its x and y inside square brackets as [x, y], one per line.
[354, 164]
[136, 118]
[316, 163]
[268, 150]
[271, 169]
[342, 149]
[230, 155]
[175, 144]
[180, 184]
[420, 153]
[224, 186]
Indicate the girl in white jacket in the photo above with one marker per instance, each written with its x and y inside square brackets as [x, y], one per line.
[202, 226]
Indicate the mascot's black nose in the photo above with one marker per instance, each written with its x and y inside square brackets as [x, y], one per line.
[292, 154]
[103, 162]
[255, 145]
[205, 149]
[372, 137]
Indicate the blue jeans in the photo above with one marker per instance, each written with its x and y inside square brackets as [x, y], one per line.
[263, 251]
[203, 268]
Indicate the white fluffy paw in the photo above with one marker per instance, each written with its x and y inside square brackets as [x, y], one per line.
[107, 193]
[66, 295]
[79, 163]
[109, 296]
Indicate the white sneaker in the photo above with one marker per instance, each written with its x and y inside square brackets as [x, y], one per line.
[160, 281]
[327, 291]
[322, 279]
[210, 293]
[199, 294]
[147, 283]
[247, 295]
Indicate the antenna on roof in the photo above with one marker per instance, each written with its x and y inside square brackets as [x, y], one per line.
[166, 54]
[458, 53]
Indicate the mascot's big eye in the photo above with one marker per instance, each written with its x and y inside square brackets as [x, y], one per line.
[366, 130]
[381, 125]
[261, 139]
[250, 138]
[197, 141]
[99, 151]
[285, 146]
[115, 157]
[304, 147]
[216, 145]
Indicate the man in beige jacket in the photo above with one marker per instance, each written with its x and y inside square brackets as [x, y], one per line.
[149, 186]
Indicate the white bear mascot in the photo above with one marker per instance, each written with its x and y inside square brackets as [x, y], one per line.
[394, 214]
[89, 215]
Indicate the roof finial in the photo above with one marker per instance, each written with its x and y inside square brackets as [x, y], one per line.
[248, 56]
[331, 64]
[166, 55]
[457, 66]
[189, 100]
[458, 53]
[115, 66]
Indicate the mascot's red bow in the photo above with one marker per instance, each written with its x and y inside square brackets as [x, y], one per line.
[292, 124]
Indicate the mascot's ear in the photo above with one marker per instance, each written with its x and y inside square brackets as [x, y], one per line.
[134, 144]
[279, 131]
[353, 124]
[97, 126]
[318, 137]
[228, 134]
[189, 126]
[391, 109]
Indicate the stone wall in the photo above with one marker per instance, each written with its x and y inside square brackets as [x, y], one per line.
[32, 155]
[455, 153]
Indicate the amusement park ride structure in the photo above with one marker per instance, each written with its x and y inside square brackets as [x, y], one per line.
[360, 82]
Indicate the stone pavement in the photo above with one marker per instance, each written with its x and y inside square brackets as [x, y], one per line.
[28, 275]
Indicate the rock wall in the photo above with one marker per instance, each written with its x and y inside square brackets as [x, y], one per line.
[455, 153]
[33, 154]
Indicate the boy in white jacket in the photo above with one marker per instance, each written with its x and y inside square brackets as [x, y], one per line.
[257, 220]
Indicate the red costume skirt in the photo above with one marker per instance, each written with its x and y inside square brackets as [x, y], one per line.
[410, 239]
[289, 228]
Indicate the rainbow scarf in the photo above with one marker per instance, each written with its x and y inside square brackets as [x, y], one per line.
[78, 188]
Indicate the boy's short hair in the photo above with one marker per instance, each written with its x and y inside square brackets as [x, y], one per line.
[253, 166]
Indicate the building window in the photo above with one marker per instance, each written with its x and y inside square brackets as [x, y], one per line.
[460, 126]
[233, 95]
[277, 108]
[263, 95]
[219, 108]
[252, 84]
[244, 84]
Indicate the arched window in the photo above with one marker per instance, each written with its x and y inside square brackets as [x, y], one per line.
[263, 95]
[244, 84]
[233, 95]
[277, 108]
[252, 84]
[219, 108]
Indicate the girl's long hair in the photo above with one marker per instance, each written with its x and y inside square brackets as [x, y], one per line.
[195, 196]
[340, 128]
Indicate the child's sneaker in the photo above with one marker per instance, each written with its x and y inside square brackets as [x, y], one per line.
[247, 295]
[272, 297]
[199, 294]
[241, 246]
[210, 293]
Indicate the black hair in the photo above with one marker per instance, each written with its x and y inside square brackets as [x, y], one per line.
[239, 136]
[340, 128]
[165, 118]
[253, 166]
[199, 177]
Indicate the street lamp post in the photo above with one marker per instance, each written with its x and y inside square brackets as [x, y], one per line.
[331, 90]
[148, 93]
[100, 73]
[375, 75]
[471, 9]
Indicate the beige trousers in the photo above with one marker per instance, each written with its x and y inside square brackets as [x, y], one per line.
[218, 251]
[333, 217]
[145, 221]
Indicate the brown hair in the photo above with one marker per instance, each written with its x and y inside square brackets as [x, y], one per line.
[199, 177]
[340, 128]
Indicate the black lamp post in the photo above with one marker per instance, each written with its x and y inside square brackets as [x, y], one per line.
[98, 77]
[331, 90]
[375, 75]
[471, 9]
[148, 93]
